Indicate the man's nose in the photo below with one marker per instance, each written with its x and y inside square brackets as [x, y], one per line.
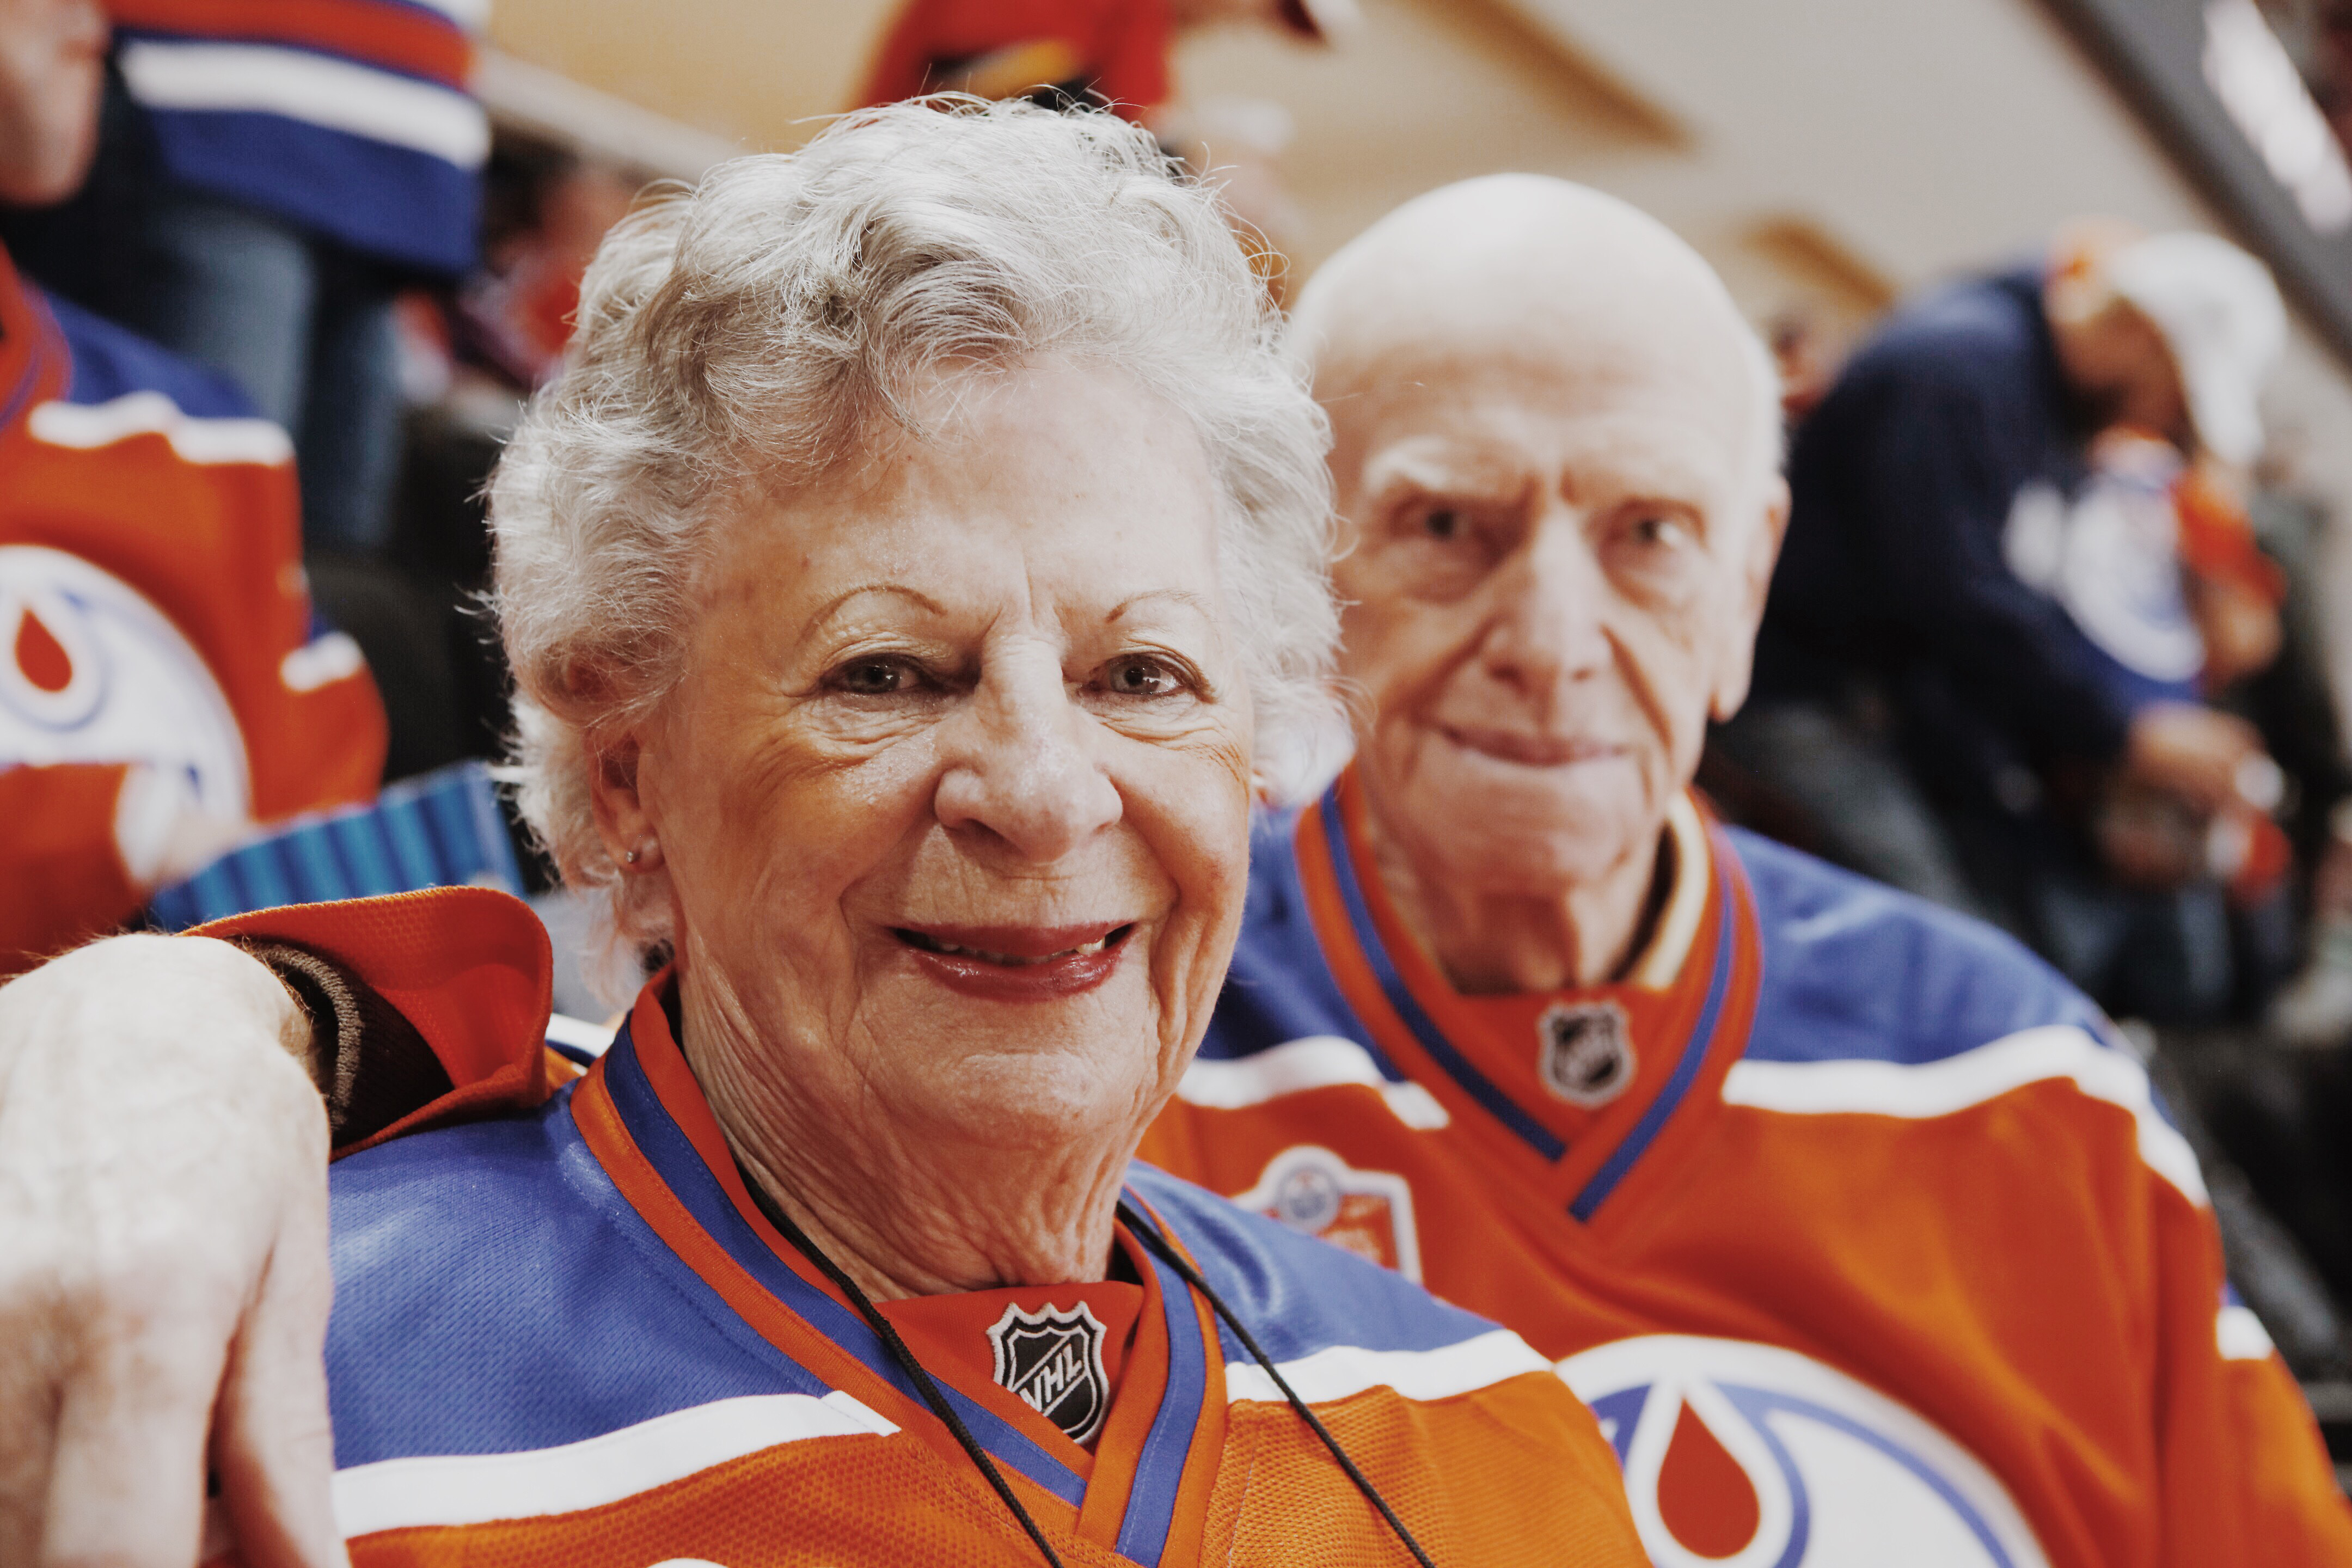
[1546, 616]
[1020, 765]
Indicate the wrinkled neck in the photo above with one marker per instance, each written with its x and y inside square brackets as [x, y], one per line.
[902, 1216]
[1491, 942]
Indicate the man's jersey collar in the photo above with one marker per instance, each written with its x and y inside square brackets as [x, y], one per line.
[1686, 1004]
[1143, 1492]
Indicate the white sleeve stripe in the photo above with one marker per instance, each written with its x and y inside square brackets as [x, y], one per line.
[474, 1488]
[1973, 1078]
[86, 426]
[328, 658]
[1344, 1370]
[2240, 1335]
[1316, 1061]
[338, 95]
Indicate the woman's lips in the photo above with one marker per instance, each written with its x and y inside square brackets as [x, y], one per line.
[1016, 963]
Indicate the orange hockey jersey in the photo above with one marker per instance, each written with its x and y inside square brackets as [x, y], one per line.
[157, 650]
[1853, 1223]
[571, 1337]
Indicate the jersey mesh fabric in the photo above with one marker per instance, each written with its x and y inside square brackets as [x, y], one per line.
[1280, 1499]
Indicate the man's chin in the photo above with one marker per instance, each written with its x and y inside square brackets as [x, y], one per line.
[1530, 828]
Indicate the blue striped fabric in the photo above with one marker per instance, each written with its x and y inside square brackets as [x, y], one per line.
[440, 829]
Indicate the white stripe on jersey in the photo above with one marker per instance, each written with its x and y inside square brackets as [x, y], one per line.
[2240, 1335]
[1316, 1061]
[1343, 1369]
[339, 95]
[87, 425]
[475, 1488]
[1971, 1077]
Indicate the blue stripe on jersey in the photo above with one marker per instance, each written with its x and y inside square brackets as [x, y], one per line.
[1940, 982]
[1298, 1294]
[1636, 1143]
[551, 1315]
[395, 203]
[1159, 1468]
[678, 1161]
[110, 361]
[1280, 987]
[1457, 1066]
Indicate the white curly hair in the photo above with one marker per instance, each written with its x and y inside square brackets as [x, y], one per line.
[787, 313]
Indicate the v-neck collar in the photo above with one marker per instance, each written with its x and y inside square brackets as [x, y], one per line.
[644, 1118]
[1688, 1001]
[33, 360]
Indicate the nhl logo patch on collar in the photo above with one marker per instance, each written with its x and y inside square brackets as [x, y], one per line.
[1052, 1361]
[1584, 1051]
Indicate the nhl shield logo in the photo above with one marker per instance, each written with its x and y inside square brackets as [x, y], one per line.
[1052, 1361]
[1584, 1051]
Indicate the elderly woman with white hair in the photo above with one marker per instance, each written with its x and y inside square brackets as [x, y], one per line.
[909, 583]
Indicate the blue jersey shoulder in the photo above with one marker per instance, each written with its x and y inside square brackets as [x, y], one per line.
[1853, 969]
[111, 361]
[1298, 1295]
[494, 1292]
[1278, 988]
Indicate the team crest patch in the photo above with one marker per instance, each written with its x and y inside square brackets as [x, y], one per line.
[1739, 1455]
[1052, 1361]
[1585, 1052]
[1369, 1213]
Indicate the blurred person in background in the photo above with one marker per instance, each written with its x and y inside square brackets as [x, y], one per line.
[1111, 52]
[1116, 52]
[1846, 1215]
[269, 179]
[1981, 667]
[164, 688]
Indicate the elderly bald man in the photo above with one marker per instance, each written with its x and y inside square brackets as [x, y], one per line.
[1844, 1212]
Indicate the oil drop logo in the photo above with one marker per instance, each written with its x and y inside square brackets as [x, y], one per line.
[1746, 1456]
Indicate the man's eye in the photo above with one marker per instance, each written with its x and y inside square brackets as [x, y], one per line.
[1655, 529]
[873, 677]
[1442, 522]
[1140, 677]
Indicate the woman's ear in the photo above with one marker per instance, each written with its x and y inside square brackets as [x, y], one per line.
[623, 822]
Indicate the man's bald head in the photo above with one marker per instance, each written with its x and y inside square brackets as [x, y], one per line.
[1526, 264]
[1555, 446]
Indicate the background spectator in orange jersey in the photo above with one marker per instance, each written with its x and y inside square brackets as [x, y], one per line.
[270, 174]
[163, 685]
[1058, 51]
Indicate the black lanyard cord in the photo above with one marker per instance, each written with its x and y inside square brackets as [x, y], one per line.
[888, 1333]
[1149, 1233]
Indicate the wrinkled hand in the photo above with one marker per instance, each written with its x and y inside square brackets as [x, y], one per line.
[163, 1276]
[2193, 752]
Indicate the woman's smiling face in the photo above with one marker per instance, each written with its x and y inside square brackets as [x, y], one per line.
[953, 795]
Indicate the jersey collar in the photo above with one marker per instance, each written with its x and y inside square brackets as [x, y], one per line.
[1688, 1002]
[1146, 1493]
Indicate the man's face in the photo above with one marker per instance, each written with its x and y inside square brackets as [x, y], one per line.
[1557, 558]
[52, 62]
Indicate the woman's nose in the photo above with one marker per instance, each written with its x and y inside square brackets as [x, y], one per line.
[1020, 765]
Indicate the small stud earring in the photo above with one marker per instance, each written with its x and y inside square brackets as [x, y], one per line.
[630, 855]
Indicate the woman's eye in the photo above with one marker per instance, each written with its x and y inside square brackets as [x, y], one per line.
[1141, 678]
[873, 677]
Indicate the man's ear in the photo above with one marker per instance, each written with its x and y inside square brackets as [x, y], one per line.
[1736, 660]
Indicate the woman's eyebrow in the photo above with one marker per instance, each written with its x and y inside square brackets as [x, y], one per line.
[896, 590]
[1181, 595]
